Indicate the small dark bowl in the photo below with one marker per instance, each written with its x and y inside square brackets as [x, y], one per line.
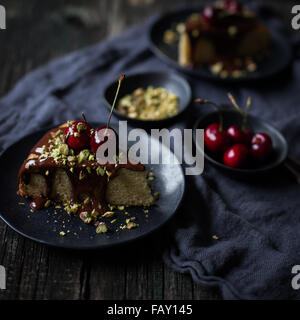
[170, 81]
[231, 117]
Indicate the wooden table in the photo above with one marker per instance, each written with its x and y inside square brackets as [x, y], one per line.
[38, 31]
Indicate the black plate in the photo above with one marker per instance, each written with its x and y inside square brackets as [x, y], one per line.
[280, 146]
[279, 59]
[170, 81]
[44, 226]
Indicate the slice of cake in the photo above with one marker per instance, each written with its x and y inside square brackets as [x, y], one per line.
[54, 171]
[225, 36]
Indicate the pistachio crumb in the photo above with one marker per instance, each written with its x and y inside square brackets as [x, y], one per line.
[102, 228]
[108, 214]
[100, 171]
[131, 225]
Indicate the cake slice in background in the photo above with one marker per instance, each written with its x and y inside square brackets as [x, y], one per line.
[225, 36]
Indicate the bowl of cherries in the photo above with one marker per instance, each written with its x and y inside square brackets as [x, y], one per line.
[238, 142]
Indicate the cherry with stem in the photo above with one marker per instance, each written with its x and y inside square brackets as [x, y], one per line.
[96, 141]
[216, 139]
[204, 101]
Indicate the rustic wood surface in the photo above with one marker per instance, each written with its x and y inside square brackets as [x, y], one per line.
[38, 31]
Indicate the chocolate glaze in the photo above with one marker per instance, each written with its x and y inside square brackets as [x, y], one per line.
[92, 185]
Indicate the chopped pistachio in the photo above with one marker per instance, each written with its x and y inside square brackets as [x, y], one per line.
[127, 220]
[215, 237]
[47, 203]
[94, 213]
[47, 173]
[88, 220]
[74, 208]
[121, 207]
[62, 233]
[72, 170]
[57, 133]
[108, 214]
[21, 204]
[100, 171]
[83, 155]
[76, 134]
[131, 225]
[63, 149]
[102, 228]
[113, 221]
[91, 157]
[108, 173]
[217, 68]
[81, 175]
[88, 169]
[81, 126]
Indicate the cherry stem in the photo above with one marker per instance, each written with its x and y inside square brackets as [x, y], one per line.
[83, 116]
[203, 101]
[244, 113]
[115, 100]
[245, 119]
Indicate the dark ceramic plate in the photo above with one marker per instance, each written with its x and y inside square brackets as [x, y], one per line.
[44, 226]
[230, 117]
[279, 59]
[170, 81]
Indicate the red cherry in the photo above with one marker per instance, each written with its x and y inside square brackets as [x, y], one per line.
[215, 140]
[232, 6]
[77, 135]
[235, 156]
[96, 141]
[261, 147]
[239, 135]
[209, 15]
[248, 136]
[236, 134]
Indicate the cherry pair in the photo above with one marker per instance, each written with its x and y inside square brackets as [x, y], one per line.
[79, 134]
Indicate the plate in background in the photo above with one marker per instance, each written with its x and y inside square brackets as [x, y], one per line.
[279, 59]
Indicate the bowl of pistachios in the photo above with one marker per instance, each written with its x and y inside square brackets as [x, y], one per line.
[150, 97]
